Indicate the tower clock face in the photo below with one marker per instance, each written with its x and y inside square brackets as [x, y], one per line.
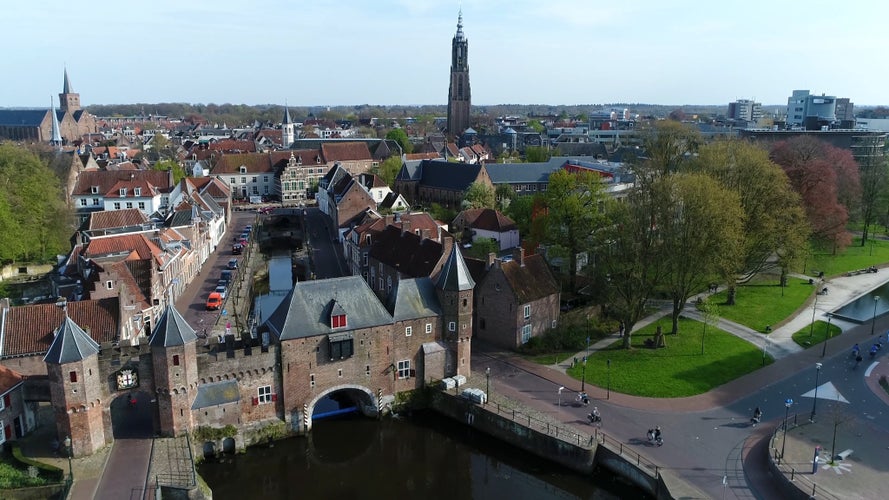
[127, 379]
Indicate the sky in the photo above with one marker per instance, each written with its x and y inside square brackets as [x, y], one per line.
[385, 52]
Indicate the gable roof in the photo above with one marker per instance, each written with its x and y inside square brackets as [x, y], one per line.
[532, 281]
[407, 252]
[22, 117]
[172, 330]
[135, 245]
[346, 151]
[105, 180]
[305, 311]
[9, 379]
[488, 219]
[449, 176]
[517, 173]
[28, 330]
[109, 219]
[70, 344]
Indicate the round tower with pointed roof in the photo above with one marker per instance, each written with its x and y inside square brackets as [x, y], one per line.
[69, 101]
[174, 359]
[72, 364]
[454, 287]
[288, 135]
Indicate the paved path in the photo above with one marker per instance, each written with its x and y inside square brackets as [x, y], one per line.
[125, 473]
[711, 450]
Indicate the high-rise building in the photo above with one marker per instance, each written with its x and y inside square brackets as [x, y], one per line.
[458, 93]
[745, 109]
[813, 112]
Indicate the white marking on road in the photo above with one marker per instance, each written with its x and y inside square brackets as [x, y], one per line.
[826, 391]
[871, 368]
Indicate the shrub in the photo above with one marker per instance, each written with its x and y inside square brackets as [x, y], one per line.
[204, 433]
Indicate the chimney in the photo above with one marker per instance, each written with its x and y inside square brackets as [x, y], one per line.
[518, 255]
[490, 262]
[406, 224]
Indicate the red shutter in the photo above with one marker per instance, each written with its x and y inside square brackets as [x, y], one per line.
[274, 397]
[413, 373]
[7, 400]
[255, 401]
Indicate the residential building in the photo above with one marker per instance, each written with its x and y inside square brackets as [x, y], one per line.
[486, 223]
[16, 415]
[358, 240]
[145, 190]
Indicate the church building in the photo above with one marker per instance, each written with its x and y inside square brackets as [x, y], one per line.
[459, 95]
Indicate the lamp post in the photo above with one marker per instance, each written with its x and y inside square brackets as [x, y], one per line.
[583, 376]
[824, 347]
[815, 398]
[560, 395]
[787, 404]
[487, 384]
[69, 452]
[812, 328]
[608, 390]
[873, 320]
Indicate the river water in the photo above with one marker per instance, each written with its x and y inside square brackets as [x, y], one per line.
[426, 456]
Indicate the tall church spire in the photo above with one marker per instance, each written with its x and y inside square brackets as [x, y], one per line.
[459, 95]
[56, 134]
[288, 135]
[69, 101]
[66, 86]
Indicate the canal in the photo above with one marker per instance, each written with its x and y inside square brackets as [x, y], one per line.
[426, 456]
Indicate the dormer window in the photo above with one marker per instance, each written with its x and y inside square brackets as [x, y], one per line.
[123, 191]
[338, 321]
[94, 190]
[243, 169]
[137, 192]
[318, 160]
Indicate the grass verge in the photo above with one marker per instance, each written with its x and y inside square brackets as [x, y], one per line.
[763, 303]
[809, 336]
[677, 370]
[854, 257]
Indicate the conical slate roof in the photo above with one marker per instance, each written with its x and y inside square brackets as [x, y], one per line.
[454, 274]
[71, 344]
[286, 116]
[56, 131]
[172, 330]
[66, 86]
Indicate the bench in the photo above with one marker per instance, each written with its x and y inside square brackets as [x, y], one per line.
[843, 455]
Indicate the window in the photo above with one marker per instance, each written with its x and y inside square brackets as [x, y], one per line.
[341, 349]
[4, 402]
[526, 334]
[109, 285]
[72, 376]
[243, 180]
[95, 201]
[265, 394]
[404, 369]
[83, 202]
[253, 179]
[94, 190]
[117, 205]
[452, 326]
[367, 370]
[137, 191]
[123, 191]
[2, 433]
[233, 180]
[553, 324]
[527, 311]
[408, 331]
[243, 170]
[141, 205]
[129, 204]
[175, 360]
[312, 380]
[338, 321]
[428, 327]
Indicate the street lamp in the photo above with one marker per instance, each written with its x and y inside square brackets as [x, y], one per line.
[583, 376]
[69, 452]
[873, 320]
[812, 328]
[487, 384]
[824, 347]
[815, 399]
[608, 393]
[560, 395]
[787, 404]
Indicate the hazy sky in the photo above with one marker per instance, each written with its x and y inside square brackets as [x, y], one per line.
[317, 52]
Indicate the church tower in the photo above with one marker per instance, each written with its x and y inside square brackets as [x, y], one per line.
[454, 289]
[458, 93]
[75, 384]
[287, 133]
[69, 101]
[175, 362]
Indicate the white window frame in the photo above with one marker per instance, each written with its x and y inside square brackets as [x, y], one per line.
[408, 331]
[2, 406]
[109, 285]
[527, 311]
[526, 334]
[452, 326]
[428, 327]
[264, 394]
[83, 202]
[2, 433]
[404, 369]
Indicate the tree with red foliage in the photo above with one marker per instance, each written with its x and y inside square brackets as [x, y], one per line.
[827, 181]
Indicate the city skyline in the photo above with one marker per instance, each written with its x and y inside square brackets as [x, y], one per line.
[397, 52]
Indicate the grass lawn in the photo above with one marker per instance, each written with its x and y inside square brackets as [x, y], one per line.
[551, 358]
[763, 303]
[807, 337]
[854, 257]
[677, 370]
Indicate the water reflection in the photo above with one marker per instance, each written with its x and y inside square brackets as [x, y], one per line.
[280, 284]
[426, 457]
[865, 308]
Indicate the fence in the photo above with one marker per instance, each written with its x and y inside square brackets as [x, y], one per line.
[798, 479]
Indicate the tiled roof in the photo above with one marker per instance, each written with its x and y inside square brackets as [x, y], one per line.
[407, 252]
[106, 179]
[107, 219]
[216, 393]
[532, 281]
[308, 156]
[232, 145]
[488, 219]
[9, 378]
[70, 344]
[423, 156]
[139, 244]
[130, 185]
[347, 151]
[28, 330]
[256, 163]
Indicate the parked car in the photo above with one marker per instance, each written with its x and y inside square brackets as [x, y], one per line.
[248, 228]
[224, 283]
[214, 301]
[226, 274]
[245, 236]
[221, 291]
[232, 264]
[237, 248]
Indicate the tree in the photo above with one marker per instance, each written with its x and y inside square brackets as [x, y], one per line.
[537, 154]
[400, 136]
[775, 228]
[668, 144]
[573, 213]
[710, 316]
[699, 223]
[389, 169]
[874, 175]
[814, 168]
[504, 194]
[479, 195]
[481, 247]
[167, 165]
[677, 115]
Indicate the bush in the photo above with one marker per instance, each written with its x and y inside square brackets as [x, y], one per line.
[214, 433]
[50, 472]
[571, 335]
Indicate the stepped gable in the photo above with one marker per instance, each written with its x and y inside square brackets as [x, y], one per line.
[172, 330]
[413, 299]
[71, 344]
[409, 253]
[29, 330]
[530, 281]
[306, 310]
[454, 275]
